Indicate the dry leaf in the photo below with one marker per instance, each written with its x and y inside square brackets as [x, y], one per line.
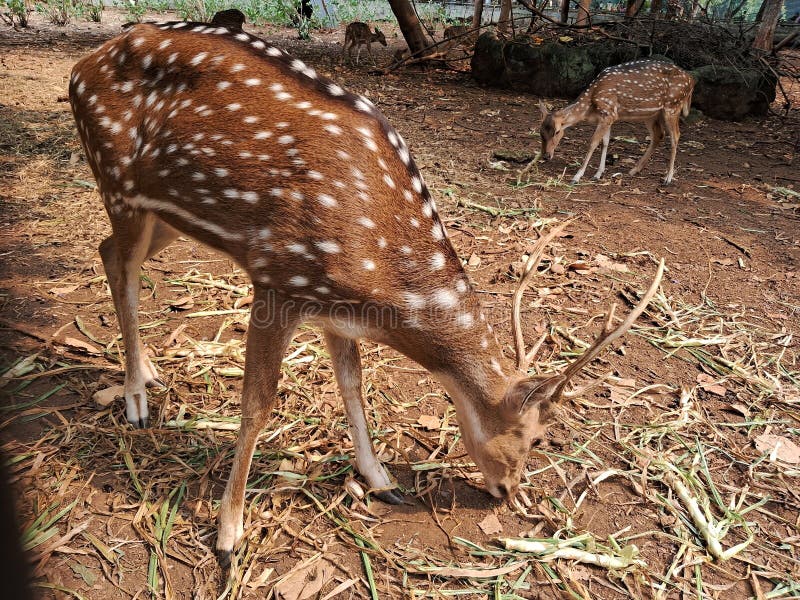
[305, 583]
[108, 395]
[184, 303]
[63, 291]
[80, 345]
[580, 266]
[710, 385]
[606, 263]
[430, 422]
[491, 524]
[244, 301]
[725, 262]
[779, 447]
[474, 260]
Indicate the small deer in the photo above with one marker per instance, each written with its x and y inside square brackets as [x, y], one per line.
[197, 130]
[459, 34]
[358, 34]
[656, 92]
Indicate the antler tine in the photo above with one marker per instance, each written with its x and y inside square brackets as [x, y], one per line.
[608, 335]
[534, 259]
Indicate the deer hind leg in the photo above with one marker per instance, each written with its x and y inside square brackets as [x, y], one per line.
[601, 169]
[268, 336]
[136, 236]
[656, 128]
[602, 128]
[672, 123]
[347, 368]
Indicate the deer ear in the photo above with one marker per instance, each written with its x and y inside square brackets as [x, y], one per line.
[532, 392]
[543, 108]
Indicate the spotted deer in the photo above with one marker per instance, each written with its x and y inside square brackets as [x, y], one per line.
[218, 135]
[358, 34]
[656, 92]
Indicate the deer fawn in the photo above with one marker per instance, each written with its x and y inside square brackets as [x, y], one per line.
[221, 136]
[358, 34]
[652, 91]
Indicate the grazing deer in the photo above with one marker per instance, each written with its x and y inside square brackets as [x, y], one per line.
[232, 18]
[358, 34]
[653, 91]
[459, 34]
[196, 130]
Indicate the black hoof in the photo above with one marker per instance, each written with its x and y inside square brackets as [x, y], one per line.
[144, 423]
[390, 497]
[224, 557]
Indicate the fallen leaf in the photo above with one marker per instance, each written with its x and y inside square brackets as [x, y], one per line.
[430, 422]
[779, 447]
[108, 395]
[710, 385]
[63, 291]
[80, 345]
[474, 260]
[557, 269]
[605, 262]
[304, 583]
[725, 262]
[580, 266]
[245, 301]
[491, 524]
[184, 303]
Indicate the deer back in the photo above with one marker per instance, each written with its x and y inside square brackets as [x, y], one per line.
[233, 142]
[637, 90]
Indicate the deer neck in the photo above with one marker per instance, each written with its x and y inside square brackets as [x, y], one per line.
[574, 113]
[463, 354]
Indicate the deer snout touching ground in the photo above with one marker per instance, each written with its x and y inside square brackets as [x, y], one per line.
[212, 133]
[655, 92]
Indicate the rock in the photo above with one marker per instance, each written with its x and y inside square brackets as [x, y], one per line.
[552, 69]
[731, 93]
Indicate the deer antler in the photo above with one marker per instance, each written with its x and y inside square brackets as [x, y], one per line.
[534, 258]
[608, 335]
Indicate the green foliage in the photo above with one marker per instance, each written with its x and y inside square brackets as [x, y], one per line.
[94, 10]
[353, 10]
[59, 12]
[201, 10]
[16, 9]
[134, 10]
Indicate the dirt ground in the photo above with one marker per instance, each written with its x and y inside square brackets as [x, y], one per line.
[704, 390]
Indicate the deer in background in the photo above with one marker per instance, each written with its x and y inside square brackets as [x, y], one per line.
[656, 92]
[358, 34]
[197, 130]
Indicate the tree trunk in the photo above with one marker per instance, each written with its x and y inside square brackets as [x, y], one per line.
[477, 16]
[632, 7]
[583, 13]
[565, 11]
[505, 16]
[410, 26]
[771, 12]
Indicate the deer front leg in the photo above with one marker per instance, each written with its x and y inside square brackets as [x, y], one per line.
[135, 238]
[597, 137]
[672, 123]
[371, 56]
[268, 335]
[656, 136]
[347, 368]
[602, 167]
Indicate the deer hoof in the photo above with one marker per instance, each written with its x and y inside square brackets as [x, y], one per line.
[390, 497]
[224, 557]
